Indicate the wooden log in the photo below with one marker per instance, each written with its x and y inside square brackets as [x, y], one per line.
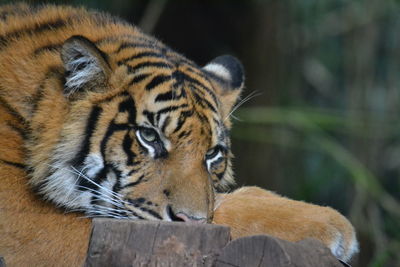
[145, 243]
[263, 250]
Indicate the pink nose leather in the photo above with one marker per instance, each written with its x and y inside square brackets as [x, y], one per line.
[186, 218]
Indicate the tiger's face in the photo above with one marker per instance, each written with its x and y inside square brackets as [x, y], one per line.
[146, 135]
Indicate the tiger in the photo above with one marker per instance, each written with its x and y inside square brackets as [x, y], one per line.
[101, 119]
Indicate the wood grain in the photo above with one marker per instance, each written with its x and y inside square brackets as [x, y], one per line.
[145, 243]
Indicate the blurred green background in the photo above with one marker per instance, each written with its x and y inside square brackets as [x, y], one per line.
[323, 123]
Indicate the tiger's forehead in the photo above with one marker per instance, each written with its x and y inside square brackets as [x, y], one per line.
[180, 102]
[172, 93]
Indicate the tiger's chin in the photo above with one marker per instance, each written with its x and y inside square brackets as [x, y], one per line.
[252, 210]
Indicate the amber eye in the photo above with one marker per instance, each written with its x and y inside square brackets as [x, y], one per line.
[149, 135]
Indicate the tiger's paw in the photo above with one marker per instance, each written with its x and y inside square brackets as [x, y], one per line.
[252, 210]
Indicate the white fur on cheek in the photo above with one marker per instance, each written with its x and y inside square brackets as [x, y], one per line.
[93, 164]
[62, 185]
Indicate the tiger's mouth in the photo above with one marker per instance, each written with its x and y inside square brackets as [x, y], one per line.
[171, 215]
[182, 217]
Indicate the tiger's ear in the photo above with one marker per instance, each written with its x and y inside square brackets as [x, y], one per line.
[85, 65]
[227, 75]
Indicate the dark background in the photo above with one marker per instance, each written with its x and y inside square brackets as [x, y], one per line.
[323, 125]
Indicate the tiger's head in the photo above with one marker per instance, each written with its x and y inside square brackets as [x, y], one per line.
[145, 133]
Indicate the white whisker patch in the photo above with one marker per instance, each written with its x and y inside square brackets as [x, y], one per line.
[93, 164]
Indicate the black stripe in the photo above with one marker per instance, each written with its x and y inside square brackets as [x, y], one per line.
[152, 212]
[156, 81]
[93, 184]
[128, 105]
[110, 98]
[140, 55]
[220, 175]
[90, 128]
[97, 180]
[11, 110]
[197, 72]
[117, 185]
[184, 134]
[36, 29]
[14, 164]
[150, 116]
[203, 118]
[112, 127]
[204, 102]
[210, 106]
[137, 215]
[182, 119]
[202, 86]
[127, 45]
[21, 131]
[36, 98]
[138, 78]
[167, 121]
[180, 77]
[168, 96]
[133, 184]
[127, 147]
[47, 48]
[169, 109]
[57, 46]
[138, 202]
[132, 69]
[206, 89]
[133, 171]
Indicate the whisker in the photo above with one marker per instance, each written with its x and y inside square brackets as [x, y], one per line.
[102, 187]
[109, 208]
[103, 216]
[96, 213]
[104, 194]
[104, 197]
[235, 118]
[244, 100]
[103, 211]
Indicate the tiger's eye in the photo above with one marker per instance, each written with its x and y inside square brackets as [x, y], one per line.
[149, 135]
[211, 152]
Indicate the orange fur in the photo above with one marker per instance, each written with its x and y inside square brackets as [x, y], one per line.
[33, 233]
[252, 210]
[48, 100]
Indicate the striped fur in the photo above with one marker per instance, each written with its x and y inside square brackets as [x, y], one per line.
[87, 85]
[108, 121]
